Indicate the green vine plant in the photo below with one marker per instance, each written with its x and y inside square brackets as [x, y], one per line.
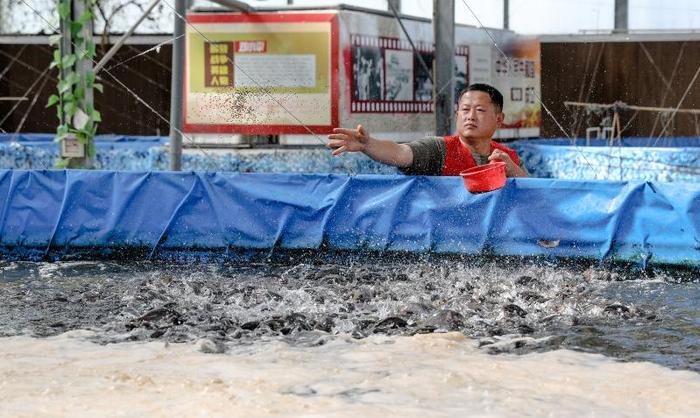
[77, 116]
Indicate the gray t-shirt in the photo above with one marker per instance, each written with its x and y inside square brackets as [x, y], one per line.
[429, 155]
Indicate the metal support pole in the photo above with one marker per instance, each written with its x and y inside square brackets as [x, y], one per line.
[621, 16]
[394, 5]
[506, 14]
[444, 65]
[3, 12]
[113, 50]
[176, 80]
[83, 66]
[66, 48]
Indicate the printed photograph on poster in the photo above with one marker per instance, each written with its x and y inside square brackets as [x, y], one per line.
[461, 74]
[530, 95]
[406, 82]
[423, 86]
[516, 94]
[399, 75]
[368, 74]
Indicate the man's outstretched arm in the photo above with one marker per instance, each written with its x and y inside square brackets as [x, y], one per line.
[358, 140]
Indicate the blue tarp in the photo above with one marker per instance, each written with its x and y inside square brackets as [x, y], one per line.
[46, 212]
[114, 152]
[645, 159]
[644, 142]
[39, 152]
[134, 140]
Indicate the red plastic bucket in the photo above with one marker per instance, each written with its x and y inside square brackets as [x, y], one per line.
[485, 178]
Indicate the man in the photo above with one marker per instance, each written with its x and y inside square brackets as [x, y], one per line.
[479, 114]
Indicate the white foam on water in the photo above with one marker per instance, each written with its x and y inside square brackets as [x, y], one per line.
[436, 375]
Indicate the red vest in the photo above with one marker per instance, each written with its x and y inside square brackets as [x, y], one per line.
[459, 158]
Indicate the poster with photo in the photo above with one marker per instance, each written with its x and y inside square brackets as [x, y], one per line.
[518, 77]
[368, 74]
[423, 85]
[399, 75]
[461, 74]
[395, 65]
[245, 71]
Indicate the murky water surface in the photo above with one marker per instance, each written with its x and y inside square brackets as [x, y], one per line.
[348, 337]
[510, 307]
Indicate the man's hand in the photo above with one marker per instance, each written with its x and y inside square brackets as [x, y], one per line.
[512, 169]
[348, 140]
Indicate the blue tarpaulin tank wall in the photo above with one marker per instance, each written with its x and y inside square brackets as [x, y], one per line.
[645, 159]
[146, 153]
[49, 213]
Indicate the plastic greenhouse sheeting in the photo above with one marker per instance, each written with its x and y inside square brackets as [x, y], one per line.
[61, 212]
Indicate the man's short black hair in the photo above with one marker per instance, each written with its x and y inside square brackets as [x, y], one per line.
[494, 94]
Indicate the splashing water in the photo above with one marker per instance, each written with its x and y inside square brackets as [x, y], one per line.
[508, 307]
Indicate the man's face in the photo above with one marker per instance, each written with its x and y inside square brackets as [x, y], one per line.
[477, 116]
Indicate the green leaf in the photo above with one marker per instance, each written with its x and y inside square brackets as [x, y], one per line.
[69, 109]
[91, 150]
[62, 163]
[55, 39]
[79, 93]
[96, 116]
[85, 17]
[72, 78]
[90, 78]
[99, 87]
[63, 86]
[75, 28]
[53, 99]
[91, 50]
[64, 9]
[87, 52]
[68, 60]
